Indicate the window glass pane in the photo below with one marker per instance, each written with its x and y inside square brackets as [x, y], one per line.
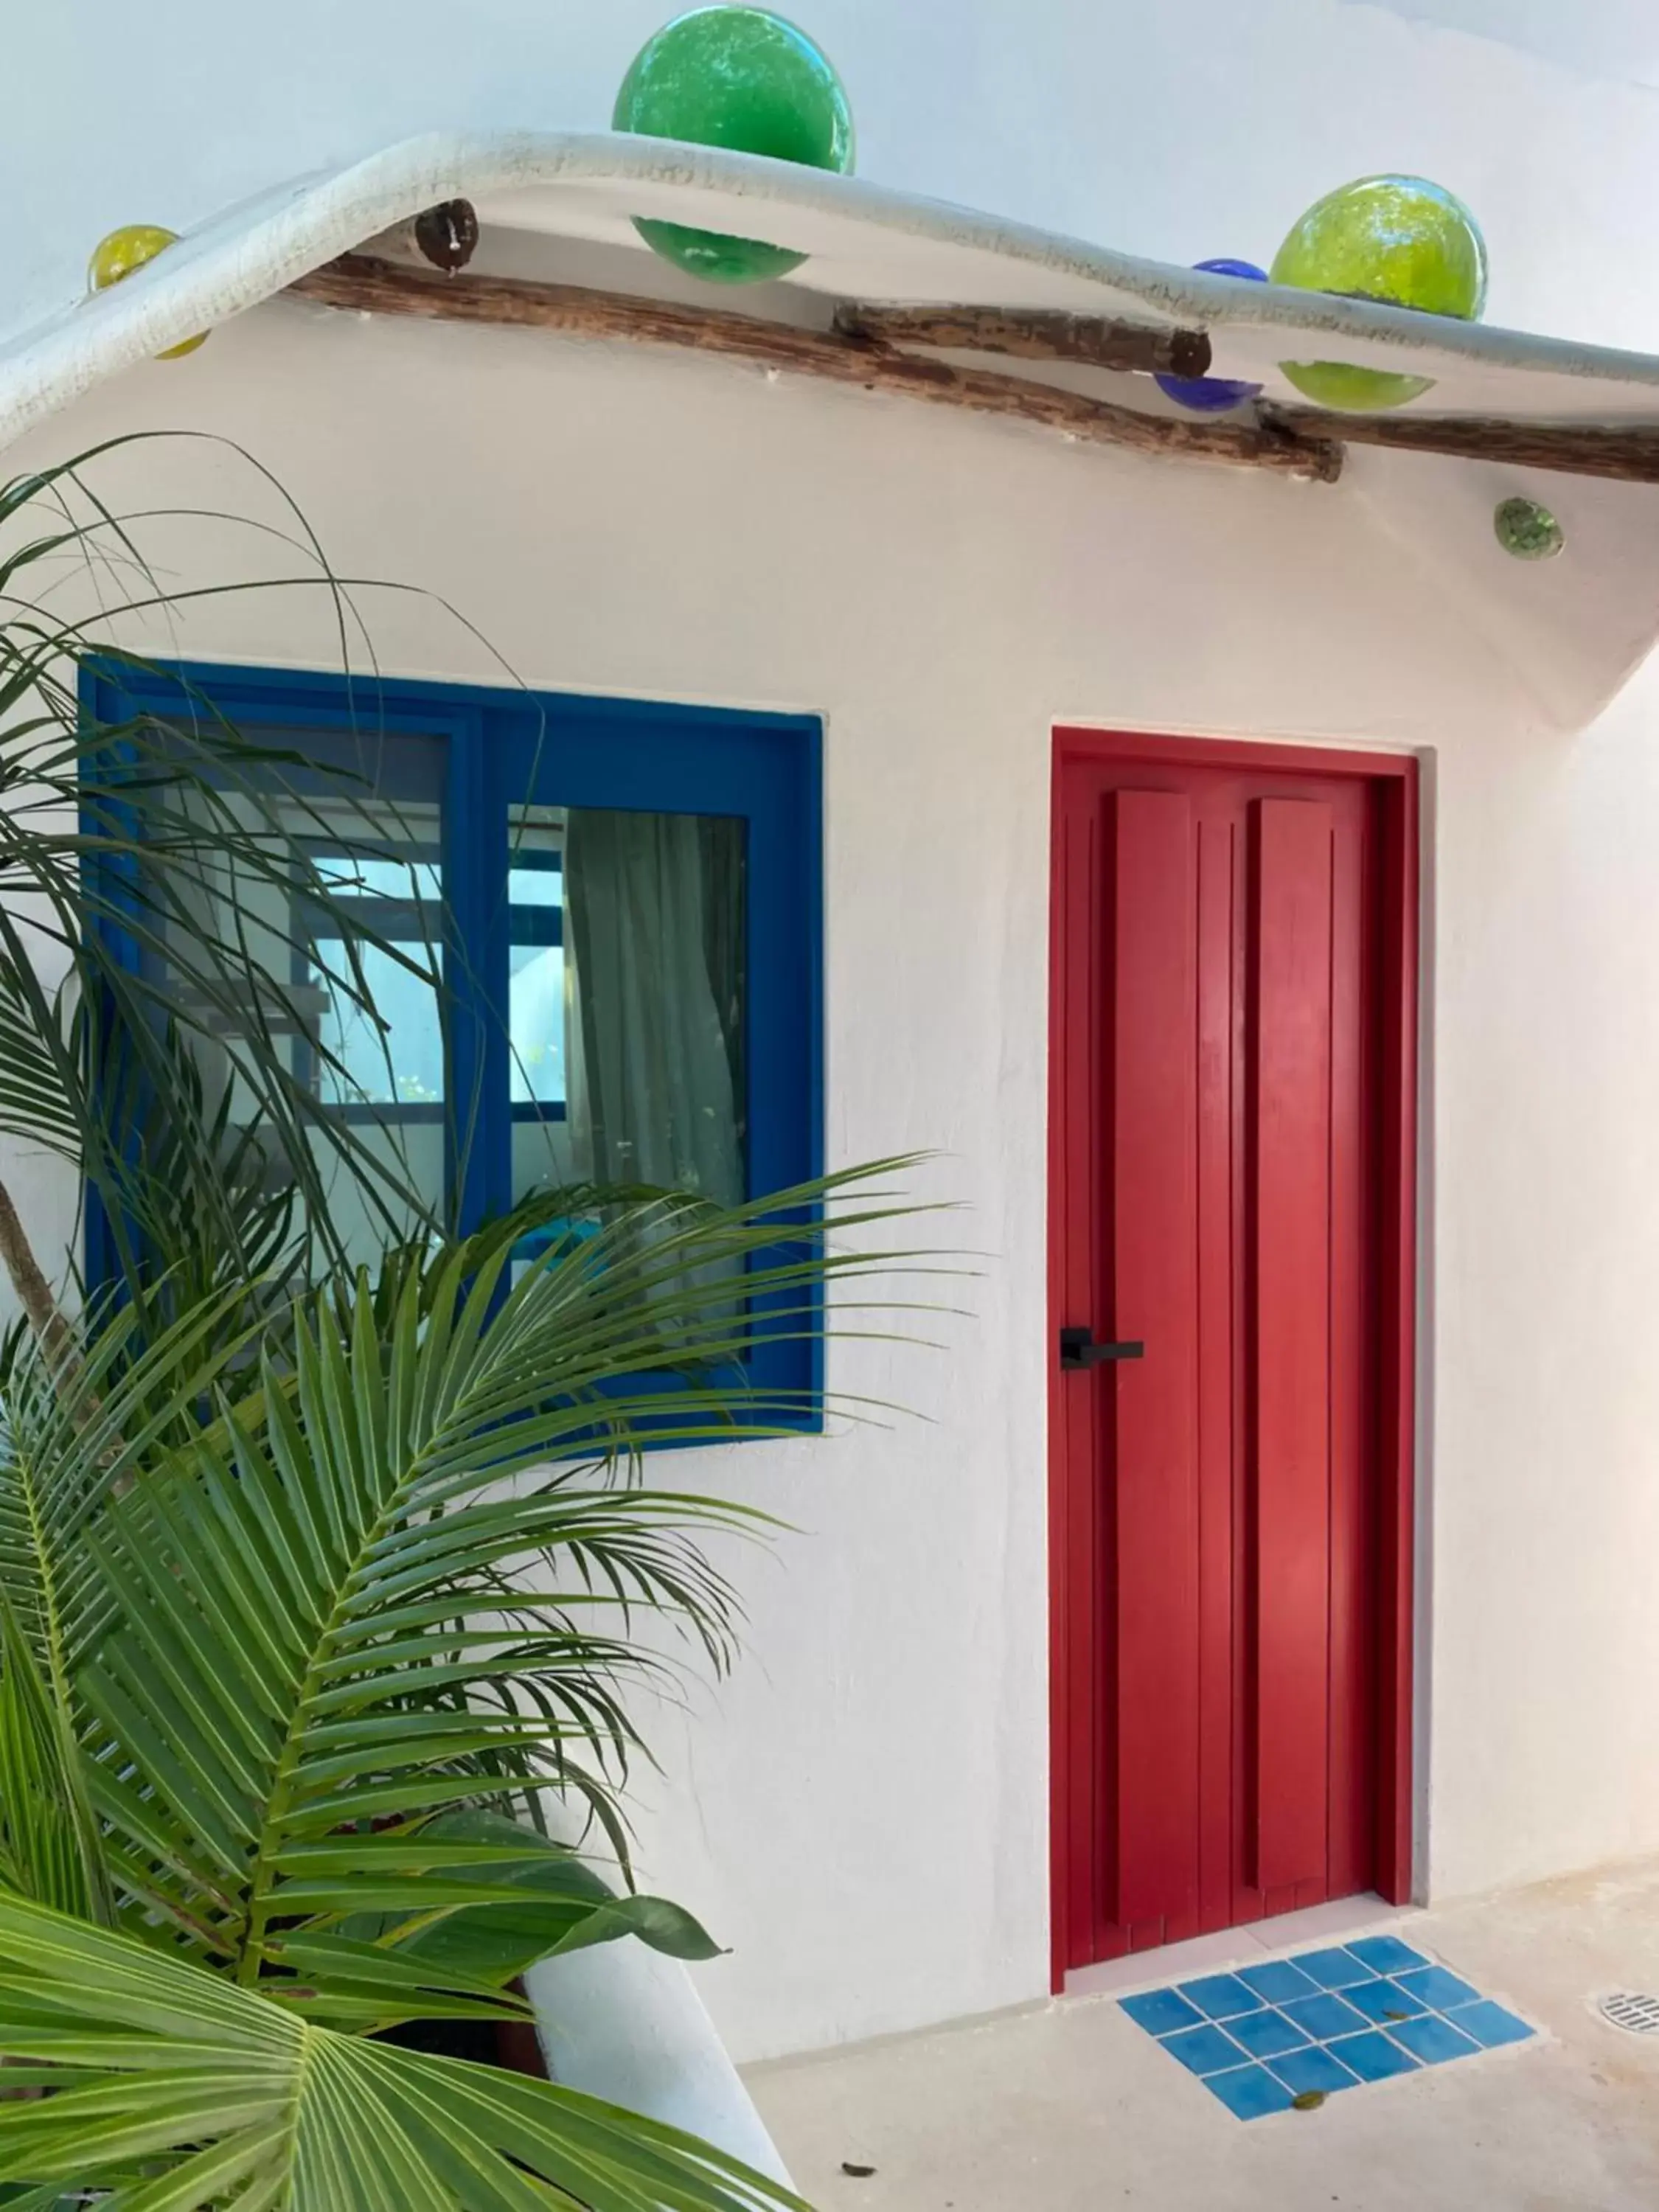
[651, 979]
[626, 984]
[540, 887]
[536, 962]
[394, 1055]
[537, 1019]
[376, 853]
[377, 876]
[413, 1154]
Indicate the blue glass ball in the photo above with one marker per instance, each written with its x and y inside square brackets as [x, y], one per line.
[1213, 395]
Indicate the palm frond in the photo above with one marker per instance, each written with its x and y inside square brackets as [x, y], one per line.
[313, 1634]
[173, 1180]
[70, 1438]
[559, 1904]
[69, 1444]
[40, 1063]
[49, 1845]
[180, 2092]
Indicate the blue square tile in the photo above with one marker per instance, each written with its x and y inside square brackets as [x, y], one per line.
[1386, 1954]
[1373, 2058]
[1490, 2025]
[1434, 2041]
[1204, 2050]
[1267, 2034]
[1250, 2093]
[1334, 1969]
[1161, 2012]
[1221, 1996]
[1437, 1989]
[1312, 2072]
[1278, 1982]
[1322, 2017]
[1385, 2002]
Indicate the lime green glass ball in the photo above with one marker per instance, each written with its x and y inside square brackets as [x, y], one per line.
[744, 79]
[1399, 239]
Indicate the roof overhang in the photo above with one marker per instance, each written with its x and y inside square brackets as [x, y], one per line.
[865, 242]
[1574, 641]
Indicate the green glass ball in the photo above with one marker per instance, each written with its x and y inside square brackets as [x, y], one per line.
[746, 80]
[1402, 240]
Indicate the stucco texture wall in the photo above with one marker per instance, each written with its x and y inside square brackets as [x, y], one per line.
[862, 1813]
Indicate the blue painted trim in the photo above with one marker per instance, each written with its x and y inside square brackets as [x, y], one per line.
[537, 925]
[505, 748]
[101, 1244]
[475, 875]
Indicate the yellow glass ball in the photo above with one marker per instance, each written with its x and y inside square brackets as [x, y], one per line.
[125, 250]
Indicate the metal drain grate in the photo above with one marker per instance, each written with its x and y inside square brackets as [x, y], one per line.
[1636, 2015]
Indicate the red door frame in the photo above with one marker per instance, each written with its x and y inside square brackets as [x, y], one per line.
[1395, 777]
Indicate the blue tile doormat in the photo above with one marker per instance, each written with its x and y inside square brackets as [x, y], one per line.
[1265, 2037]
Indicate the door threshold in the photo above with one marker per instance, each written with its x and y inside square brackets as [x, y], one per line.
[1344, 1917]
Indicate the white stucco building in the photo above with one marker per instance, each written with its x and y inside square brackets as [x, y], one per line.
[867, 1812]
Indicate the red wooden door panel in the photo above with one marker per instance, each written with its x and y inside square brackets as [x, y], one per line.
[1153, 1120]
[1222, 1103]
[1289, 1288]
[1228, 1167]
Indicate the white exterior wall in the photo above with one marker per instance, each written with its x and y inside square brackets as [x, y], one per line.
[862, 1812]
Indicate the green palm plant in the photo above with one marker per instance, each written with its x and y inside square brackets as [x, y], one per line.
[322, 1590]
[268, 1710]
[142, 2057]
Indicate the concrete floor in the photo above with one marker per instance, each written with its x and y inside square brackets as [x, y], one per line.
[1071, 2108]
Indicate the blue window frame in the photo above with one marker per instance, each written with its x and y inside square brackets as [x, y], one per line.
[485, 756]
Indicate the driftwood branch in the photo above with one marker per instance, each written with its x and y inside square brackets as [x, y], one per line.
[1626, 456]
[1093, 339]
[45, 1315]
[361, 283]
[1292, 440]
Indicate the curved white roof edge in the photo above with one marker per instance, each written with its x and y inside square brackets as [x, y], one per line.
[254, 251]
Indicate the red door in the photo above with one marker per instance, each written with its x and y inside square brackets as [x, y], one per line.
[1233, 1009]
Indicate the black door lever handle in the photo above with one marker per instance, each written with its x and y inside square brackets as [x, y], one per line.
[1079, 1351]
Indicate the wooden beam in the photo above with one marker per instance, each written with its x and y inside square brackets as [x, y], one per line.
[1094, 339]
[362, 285]
[1630, 455]
[1625, 455]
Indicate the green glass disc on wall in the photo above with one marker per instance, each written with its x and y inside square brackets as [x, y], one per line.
[745, 80]
[1400, 241]
[1529, 531]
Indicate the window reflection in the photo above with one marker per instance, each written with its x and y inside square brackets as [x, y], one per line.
[643, 1012]
[536, 984]
[623, 995]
